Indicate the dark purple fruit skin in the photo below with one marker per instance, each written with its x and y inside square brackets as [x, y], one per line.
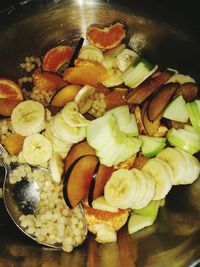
[92, 184]
[67, 175]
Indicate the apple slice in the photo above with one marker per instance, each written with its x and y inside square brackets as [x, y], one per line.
[194, 114]
[148, 87]
[65, 95]
[160, 99]
[188, 90]
[78, 178]
[176, 110]
[125, 120]
[151, 146]
[184, 139]
[7, 105]
[78, 150]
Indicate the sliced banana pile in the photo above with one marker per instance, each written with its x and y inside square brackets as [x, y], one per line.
[135, 188]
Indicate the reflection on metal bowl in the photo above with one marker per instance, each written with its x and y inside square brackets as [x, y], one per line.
[33, 27]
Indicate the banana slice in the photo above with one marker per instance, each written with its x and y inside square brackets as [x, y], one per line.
[125, 58]
[56, 166]
[63, 131]
[121, 189]
[161, 176]
[113, 73]
[28, 118]
[72, 116]
[192, 167]
[177, 162]
[180, 78]
[37, 149]
[58, 145]
[90, 52]
[147, 189]
[83, 98]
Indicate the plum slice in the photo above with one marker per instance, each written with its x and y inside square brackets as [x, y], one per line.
[78, 178]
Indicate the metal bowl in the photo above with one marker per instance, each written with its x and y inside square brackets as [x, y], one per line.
[30, 28]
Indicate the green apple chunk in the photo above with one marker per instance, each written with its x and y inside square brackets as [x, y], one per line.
[176, 110]
[138, 222]
[118, 148]
[151, 210]
[125, 120]
[151, 146]
[194, 115]
[197, 101]
[185, 139]
[99, 131]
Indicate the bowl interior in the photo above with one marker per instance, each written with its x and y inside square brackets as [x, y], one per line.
[174, 239]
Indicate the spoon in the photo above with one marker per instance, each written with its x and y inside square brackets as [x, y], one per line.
[23, 197]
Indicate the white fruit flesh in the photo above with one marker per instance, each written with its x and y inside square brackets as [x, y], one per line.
[138, 222]
[83, 98]
[125, 120]
[184, 139]
[125, 59]
[72, 116]
[151, 146]
[180, 78]
[192, 167]
[37, 149]
[28, 118]
[145, 191]
[56, 166]
[121, 189]
[177, 162]
[161, 176]
[90, 52]
[101, 204]
[62, 130]
[176, 110]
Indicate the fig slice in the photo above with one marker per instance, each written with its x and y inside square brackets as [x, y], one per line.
[188, 90]
[148, 87]
[160, 99]
[151, 127]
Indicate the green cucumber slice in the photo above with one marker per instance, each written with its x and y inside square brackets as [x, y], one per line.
[194, 115]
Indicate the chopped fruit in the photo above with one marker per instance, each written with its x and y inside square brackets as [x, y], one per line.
[13, 144]
[9, 89]
[160, 100]
[65, 95]
[127, 164]
[85, 72]
[78, 178]
[7, 105]
[139, 162]
[148, 87]
[78, 150]
[56, 57]
[176, 110]
[188, 90]
[102, 177]
[175, 124]
[47, 81]
[115, 99]
[95, 216]
[108, 37]
[151, 127]
[101, 89]
[139, 120]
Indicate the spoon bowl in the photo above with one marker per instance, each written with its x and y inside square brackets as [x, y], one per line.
[23, 197]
